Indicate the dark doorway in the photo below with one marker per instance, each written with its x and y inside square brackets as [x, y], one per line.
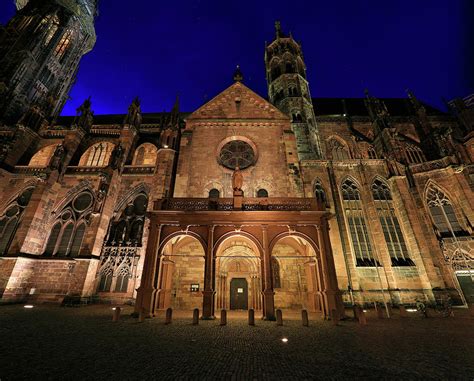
[239, 294]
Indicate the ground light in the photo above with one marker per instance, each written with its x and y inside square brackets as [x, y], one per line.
[285, 340]
[28, 306]
[411, 310]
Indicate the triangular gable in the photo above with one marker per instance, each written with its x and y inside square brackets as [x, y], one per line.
[237, 102]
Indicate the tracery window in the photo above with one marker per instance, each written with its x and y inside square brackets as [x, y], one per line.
[338, 150]
[414, 154]
[98, 155]
[357, 224]
[371, 153]
[67, 234]
[319, 192]
[128, 229]
[296, 117]
[237, 153]
[262, 193]
[276, 273]
[392, 231]
[63, 45]
[11, 219]
[443, 213]
[145, 154]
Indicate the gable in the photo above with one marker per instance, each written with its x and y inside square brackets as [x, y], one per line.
[237, 102]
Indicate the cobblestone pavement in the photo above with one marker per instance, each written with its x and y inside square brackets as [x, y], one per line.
[83, 343]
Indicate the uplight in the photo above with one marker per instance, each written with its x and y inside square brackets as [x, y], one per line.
[285, 340]
[165, 146]
[28, 306]
[113, 308]
[411, 310]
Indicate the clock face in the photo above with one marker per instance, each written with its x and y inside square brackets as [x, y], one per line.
[237, 153]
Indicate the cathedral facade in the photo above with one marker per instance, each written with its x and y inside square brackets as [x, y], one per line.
[287, 202]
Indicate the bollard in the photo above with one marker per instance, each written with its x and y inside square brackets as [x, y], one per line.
[304, 317]
[403, 311]
[279, 317]
[141, 315]
[355, 310]
[223, 317]
[196, 316]
[361, 316]
[169, 316]
[379, 311]
[251, 317]
[334, 317]
[116, 315]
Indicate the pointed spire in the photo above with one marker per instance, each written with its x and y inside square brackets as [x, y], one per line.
[238, 76]
[278, 32]
[417, 105]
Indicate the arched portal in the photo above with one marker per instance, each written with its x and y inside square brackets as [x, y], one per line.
[181, 274]
[238, 274]
[296, 276]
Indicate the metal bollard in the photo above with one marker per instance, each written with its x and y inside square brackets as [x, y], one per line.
[279, 317]
[304, 317]
[196, 316]
[251, 317]
[361, 316]
[169, 316]
[403, 311]
[223, 317]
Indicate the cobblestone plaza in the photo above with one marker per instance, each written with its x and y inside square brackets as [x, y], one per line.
[83, 343]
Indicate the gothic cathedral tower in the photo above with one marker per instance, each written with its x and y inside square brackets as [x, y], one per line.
[40, 50]
[288, 90]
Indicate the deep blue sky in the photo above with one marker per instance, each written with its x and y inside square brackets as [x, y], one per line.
[157, 49]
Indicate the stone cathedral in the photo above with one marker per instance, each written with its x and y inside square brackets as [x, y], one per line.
[285, 201]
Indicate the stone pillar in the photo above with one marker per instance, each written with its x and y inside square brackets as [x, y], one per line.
[208, 293]
[147, 290]
[165, 283]
[331, 295]
[313, 296]
[268, 293]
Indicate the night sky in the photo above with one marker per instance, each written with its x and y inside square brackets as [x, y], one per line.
[157, 49]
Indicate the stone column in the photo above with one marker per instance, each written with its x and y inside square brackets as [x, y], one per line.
[331, 294]
[165, 284]
[313, 297]
[268, 293]
[208, 293]
[147, 290]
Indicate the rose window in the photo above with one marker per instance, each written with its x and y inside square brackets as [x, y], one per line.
[237, 153]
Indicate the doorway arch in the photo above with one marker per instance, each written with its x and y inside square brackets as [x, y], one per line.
[238, 271]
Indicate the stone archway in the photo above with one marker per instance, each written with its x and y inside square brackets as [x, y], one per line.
[238, 258]
[295, 273]
[181, 274]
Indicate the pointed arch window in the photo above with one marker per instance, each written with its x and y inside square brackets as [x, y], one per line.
[371, 153]
[391, 228]
[11, 219]
[123, 276]
[443, 214]
[357, 224]
[98, 155]
[128, 229]
[414, 154]
[67, 233]
[338, 150]
[262, 193]
[106, 279]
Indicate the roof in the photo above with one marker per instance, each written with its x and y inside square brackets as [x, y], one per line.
[356, 107]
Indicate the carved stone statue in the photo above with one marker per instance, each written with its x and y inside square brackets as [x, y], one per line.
[237, 179]
[57, 159]
[85, 116]
[116, 158]
[134, 116]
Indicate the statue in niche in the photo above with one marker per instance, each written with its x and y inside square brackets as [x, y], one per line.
[237, 180]
[57, 159]
[116, 158]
